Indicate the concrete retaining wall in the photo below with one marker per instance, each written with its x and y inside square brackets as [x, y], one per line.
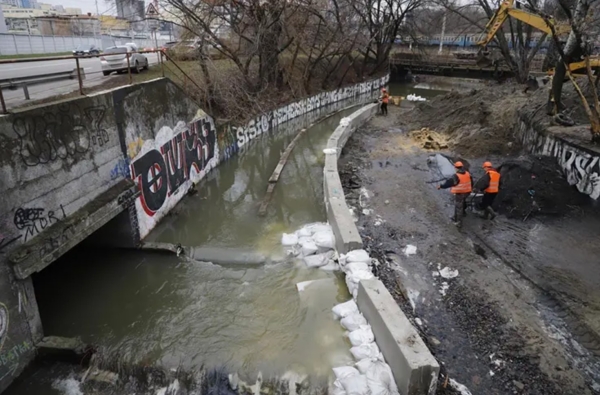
[415, 369]
[338, 214]
[579, 160]
[67, 169]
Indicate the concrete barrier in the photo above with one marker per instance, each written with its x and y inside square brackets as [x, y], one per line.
[338, 213]
[414, 367]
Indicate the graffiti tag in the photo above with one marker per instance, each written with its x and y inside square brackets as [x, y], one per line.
[34, 220]
[159, 172]
[5, 242]
[121, 170]
[60, 134]
[3, 324]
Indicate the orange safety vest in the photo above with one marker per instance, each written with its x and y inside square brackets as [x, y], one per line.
[464, 183]
[494, 186]
[386, 98]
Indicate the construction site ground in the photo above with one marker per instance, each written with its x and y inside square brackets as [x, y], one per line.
[509, 306]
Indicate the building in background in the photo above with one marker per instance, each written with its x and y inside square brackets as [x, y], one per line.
[13, 3]
[3, 27]
[73, 11]
[77, 25]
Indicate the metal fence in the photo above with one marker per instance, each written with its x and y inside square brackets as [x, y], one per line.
[18, 44]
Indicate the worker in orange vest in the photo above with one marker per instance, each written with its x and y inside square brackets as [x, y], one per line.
[461, 184]
[490, 185]
[385, 98]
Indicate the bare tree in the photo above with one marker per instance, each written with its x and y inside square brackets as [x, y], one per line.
[515, 41]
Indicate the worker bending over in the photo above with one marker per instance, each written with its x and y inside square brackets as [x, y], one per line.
[490, 185]
[461, 184]
[385, 98]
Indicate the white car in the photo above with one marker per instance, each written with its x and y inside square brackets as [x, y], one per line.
[115, 59]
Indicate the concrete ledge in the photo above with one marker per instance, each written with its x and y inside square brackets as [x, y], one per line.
[415, 370]
[347, 237]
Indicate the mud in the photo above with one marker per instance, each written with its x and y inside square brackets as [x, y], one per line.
[492, 327]
[479, 122]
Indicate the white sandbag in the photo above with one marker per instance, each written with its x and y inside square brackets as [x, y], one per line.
[353, 267]
[324, 239]
[363, 335]
[303, 232]
[337, 389]
[355, 385]
[289, 239]
[364, 364]
[353, 321]
[345, 121]
[358, 256]
[352, 285]
[331, 266]
[345, 371]
[307, 246]
[345, 309]
[317, 260]
[369, 350]
[380, 379]
[327, 151]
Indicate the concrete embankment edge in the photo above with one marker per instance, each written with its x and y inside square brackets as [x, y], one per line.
[414, 367]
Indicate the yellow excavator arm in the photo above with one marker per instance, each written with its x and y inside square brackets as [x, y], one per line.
[506, 9]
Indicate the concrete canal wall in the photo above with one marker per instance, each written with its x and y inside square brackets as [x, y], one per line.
[414, 368]
[67, 169]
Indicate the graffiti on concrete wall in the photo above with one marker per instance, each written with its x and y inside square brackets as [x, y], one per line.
[64, 133]
[166, 166]
[121, 170]
[581, 168]
[268, 121]
[5, 241]
[34, 220]
[3, 324]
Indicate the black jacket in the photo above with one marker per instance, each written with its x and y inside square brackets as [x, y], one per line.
[453, 181]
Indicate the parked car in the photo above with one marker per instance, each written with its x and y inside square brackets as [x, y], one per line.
[114, 59]
[86, 49]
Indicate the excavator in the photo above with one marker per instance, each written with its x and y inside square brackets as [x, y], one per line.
[548, 26]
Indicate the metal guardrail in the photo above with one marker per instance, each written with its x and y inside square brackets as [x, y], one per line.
[77, 72]
[25, 82]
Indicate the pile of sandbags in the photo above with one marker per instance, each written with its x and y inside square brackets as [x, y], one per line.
[370, 375]
[356, 265]
[314, 244]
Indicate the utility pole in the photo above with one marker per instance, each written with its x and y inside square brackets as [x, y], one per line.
[443, 32]
[99, 22]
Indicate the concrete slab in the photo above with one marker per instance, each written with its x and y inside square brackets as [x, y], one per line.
[415, 369]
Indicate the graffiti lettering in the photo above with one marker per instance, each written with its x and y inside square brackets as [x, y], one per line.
[11, 356]
[96, 115]
[60, 134]
[581, 168]
[121, 169]
[3, 324]
[34, 220]
[266, 122]
[160, 172]
[127, 198]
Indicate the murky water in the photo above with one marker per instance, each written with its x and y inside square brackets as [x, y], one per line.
[430, 87]
[156, 309]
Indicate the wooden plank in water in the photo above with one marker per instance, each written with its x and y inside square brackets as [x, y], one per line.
[277, 173]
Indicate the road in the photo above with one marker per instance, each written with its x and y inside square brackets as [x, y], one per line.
[91, 67]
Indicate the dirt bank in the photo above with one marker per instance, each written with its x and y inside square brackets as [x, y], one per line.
[486, 325]
[480, 122]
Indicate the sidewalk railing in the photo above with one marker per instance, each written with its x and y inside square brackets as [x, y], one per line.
[46, 85]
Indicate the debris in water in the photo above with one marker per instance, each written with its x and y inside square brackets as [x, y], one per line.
[463, 390]
[448, 273]
[364, 195]
[413, 296]
[329, 151]
[366, 211]
[418, 321]
[410, 250]
[68, 386]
